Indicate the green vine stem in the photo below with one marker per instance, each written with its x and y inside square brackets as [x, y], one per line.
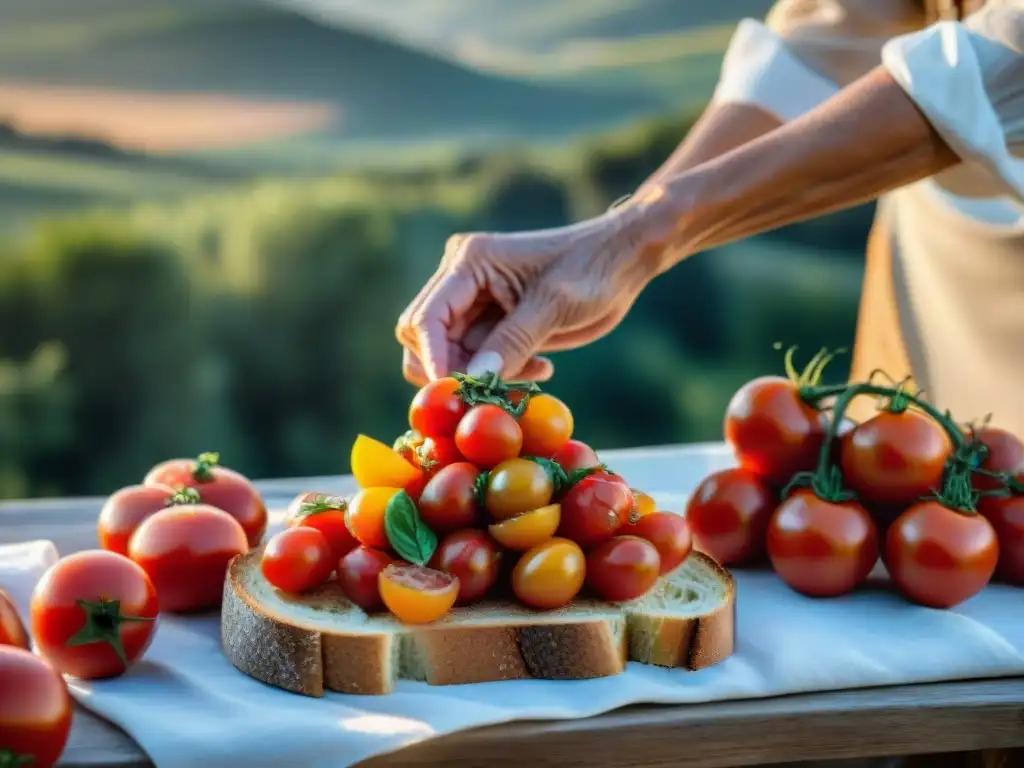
[956, 492]
[202, 472]
[491, 389]
[184, 496]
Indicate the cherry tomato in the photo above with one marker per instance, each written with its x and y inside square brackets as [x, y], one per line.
[623, 568]
[594, 510]
[547, 426]
[357, 574]
[35, 710]
[298, 559]
[473, 557]
[488, 435]
[939, 557]
[186, 550]
[436, 409]
[772, 431]
[527, 530]
[435, 453]
[325, 513]
[895, 458]
[670, 534]
[1007, 518]
[550, 575]
[576, 455]
[94, 614]
[365, 516]
[407, 444]
[1005, 455]
[417, 595]
[728, 514]
[516, 486]
[219, 487]
[12, 631]
[643, 504]
[376, 465]
[821, 549]
[125, 510]
[449, 500]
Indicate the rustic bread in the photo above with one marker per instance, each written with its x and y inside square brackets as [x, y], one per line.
[320, 641]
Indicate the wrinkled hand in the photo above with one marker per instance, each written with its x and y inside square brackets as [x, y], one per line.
[497, 301]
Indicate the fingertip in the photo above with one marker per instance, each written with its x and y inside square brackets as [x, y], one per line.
[486, 361]
[412, 369]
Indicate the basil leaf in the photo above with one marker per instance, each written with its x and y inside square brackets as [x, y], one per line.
[409, 536]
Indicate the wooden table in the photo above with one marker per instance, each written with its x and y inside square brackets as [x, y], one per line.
[908, 720]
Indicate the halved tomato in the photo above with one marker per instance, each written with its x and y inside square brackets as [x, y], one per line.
[527, 530]
[416, 594]
[376, 465]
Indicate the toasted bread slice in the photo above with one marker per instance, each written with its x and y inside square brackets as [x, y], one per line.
[320, 641]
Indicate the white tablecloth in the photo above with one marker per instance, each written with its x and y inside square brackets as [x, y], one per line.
[187, 706]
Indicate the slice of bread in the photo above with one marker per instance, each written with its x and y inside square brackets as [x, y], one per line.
[320, 641]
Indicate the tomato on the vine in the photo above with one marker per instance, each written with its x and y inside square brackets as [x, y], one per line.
[326, 513]
[94, 613]
[516, 486]
[594, 510]
[219, 487]
[185, 550]
[297, 559]
[125, 510]
[488, 435]
[550, 575]
[623, 568]
[670, 534]
[547, 425]
[821, 548]
[471, 555]
[1005, 456]
[436, 409]
[1007, 518]
[357, 574]
[728, 514]
[939, 557]
[35, 710]
[12, 630]
[576, 455]
[449, 500]
[417, 595]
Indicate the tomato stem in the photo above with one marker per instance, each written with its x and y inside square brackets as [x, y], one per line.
[183, 496]
[491, 389]
[321, 503]
[103, 620]
[202, 472]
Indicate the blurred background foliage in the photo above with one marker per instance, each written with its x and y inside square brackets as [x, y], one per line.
[254, 315]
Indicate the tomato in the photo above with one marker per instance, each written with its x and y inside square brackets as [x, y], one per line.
[529, 529]
[326, 513]
[623, 568]
[436, 453]
[125, 510]
[772, 431]
[436, 409]
[449, 500]
[670, 534]
[186, 550]
[473, 557]
[643, 504]
[94, 613]
[298, 559]
[594, 510]
[575, 455]
[550, 575]
[547, 426]
[488, 435]
[417, 595]
[939, 557]
[728, 514]
[1005, 455]
[1007, 518]
[822, 549]
[365, 516]
[35, 710]
[12, 631]
[357, 575]
[895, 458]
[516, 486]
[375, 465]
[219, 487]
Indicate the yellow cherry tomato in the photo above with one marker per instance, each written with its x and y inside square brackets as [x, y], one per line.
[527, 530]
[547, 425]
[377, 465]
[516, 486]
[550, 575]
[417, 595]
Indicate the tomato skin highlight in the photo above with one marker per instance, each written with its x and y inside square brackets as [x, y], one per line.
[549, 575]
[772, 431]
[35, 708]
[93, 576]
[185, 550]
[297, 559]
[819, 548]
[488, 435]
[547, 425]
[449, 500]
[417, 595]
[1007, 518]
[12, 630]
[575, 455]
[728, 514]
[329, 521]
[938, 557]
[670, 534]
[125, 510]
[435, 411]
[594, 510]
[357, 574]
[517, 486]
[474, 558]
[623, 568]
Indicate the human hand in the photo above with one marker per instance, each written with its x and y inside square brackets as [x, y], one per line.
[497, 301]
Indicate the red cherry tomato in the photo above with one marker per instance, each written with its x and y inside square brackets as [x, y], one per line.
[125, 510]
[594, 510]
[939, 557]
[358, 573]
[449, 501]
[35, 710]
[895, 458]
[821, 549]
[219, 487]
[728, 514]
[436, 409]
[623, 568]
[670, 534]
[773, 432]
[186, 550]
[488, 435]
[472, 556]
[576, 455]
[94, 614]
[298, 559]
[1007, 518]
[547, 425]
[325, 513]
[1005, 455]
[12, 631]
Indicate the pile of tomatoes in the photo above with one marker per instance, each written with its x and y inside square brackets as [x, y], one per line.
[486, 496]
[939, 503]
